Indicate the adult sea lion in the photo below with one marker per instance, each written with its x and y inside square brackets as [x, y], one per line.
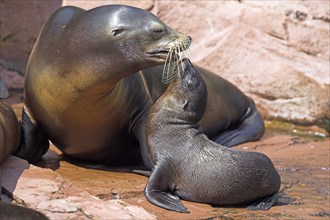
[187, 165]
[93, 75]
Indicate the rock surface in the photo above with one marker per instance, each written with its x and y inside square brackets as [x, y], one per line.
[65, 189]
[277, 53]
[21, 22]
[48, 192]
[144, 4]
[15, 84]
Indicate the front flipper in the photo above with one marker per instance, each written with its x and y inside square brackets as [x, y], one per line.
[157, 191]
[34, 142]
[264, 204]
[139, 132]
[251, 128]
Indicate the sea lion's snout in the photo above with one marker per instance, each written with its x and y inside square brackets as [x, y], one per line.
[188, 70]
[185, 42]
[180, 43]
[186, 64]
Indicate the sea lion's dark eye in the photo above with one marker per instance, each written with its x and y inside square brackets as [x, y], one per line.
[117, 31]
[157, 31]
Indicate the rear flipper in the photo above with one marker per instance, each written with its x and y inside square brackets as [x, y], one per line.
[158, 191]
[251, 128]
[264, 204]
[146, 173]
[34, 142]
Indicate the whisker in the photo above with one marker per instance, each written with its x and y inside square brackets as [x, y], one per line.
[166, 63]
[182, 56]
[173, 65]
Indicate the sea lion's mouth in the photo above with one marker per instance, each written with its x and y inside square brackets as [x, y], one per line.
[160, 53]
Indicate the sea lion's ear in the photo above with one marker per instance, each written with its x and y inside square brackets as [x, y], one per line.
[3, 89]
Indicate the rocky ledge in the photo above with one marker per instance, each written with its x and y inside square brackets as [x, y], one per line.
[65, 189]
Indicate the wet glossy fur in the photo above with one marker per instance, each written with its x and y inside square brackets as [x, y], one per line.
[92, 77]
[188, 165]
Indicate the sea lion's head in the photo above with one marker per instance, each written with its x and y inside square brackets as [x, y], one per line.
[186, 96]
[134, 38]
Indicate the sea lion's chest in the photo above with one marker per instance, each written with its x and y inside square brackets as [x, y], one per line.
[96, 118]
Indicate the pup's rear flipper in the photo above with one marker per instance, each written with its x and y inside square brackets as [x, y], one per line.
[159, 193]
[264, 204]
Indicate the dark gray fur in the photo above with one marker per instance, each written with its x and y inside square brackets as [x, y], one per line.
[188, 165]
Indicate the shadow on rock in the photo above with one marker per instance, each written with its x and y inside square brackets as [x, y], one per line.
[11, 170]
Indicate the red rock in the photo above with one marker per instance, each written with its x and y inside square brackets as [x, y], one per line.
[13, 79]
[48, 192]
[21, 22]
[280, 60]
[81, 190]
[144, 4]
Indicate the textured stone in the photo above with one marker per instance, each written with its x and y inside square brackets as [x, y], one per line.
[21, 22]
[88, 191]
[48, 192]
[11, 170]
[15, 83]
[144, 4]
[276, 53]
[13, 79]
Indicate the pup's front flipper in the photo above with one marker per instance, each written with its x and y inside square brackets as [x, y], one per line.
[158, 191]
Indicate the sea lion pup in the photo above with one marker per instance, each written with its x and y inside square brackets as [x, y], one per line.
[92, 77]
[9, 127]
[187, 165]
[10, 133]
[10, 130]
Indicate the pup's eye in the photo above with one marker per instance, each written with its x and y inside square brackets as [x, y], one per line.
[117, 31]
